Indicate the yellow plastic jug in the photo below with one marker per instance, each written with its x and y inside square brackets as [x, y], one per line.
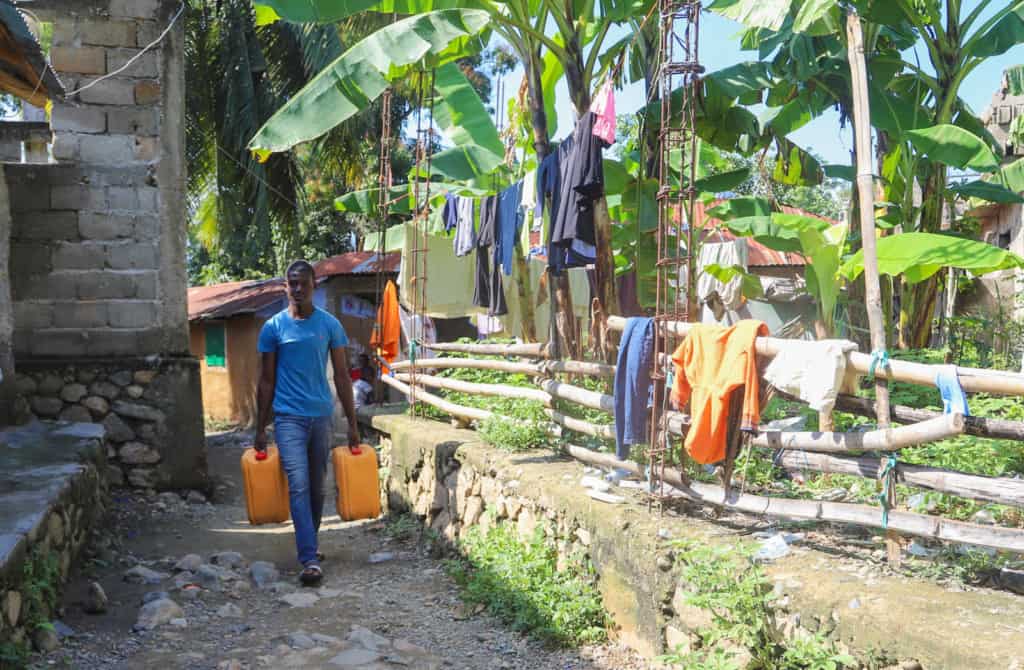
[266, 487]
[355, 471]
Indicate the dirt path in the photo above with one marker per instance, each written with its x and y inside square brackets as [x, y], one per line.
[384, 604]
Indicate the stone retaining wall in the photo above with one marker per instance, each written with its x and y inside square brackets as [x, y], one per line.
[46, 518]
[447, 477]
[146, 405]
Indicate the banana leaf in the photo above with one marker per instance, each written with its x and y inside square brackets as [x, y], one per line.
[770, 14]
[331, 11]
[917, 256]
[954, 146]
[461, 114]
[988, 191]
[362, 73]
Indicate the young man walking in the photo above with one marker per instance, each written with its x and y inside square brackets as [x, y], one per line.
[294, 346]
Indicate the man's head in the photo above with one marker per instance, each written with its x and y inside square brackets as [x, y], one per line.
[300, 279]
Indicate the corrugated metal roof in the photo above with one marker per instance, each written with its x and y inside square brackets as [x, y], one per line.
[357, 263]
[29, 75]
[219, 301]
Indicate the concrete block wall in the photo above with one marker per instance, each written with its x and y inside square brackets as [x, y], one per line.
[98, 239]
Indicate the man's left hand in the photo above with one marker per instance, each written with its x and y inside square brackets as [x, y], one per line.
[353, 435]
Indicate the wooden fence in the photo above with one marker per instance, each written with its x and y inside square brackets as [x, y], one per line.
[825, 452]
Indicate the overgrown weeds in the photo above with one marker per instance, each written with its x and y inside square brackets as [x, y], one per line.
[520, 583]
[725, 582]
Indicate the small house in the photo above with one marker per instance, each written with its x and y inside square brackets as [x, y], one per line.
[225, 322]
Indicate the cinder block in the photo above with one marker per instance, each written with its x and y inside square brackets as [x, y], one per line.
[148, 32]
[147, 92]
[29, 195]
[145, 284]
[147, 228]
[137, 9]
[78, 197]
[93, 226]
[54, 286]
[108, 92]
[80, 256]
[31, 258]
[54, 342]
[145, 65]
[131, 314]
[134, 121]
[148, 199]
[131, 256]
[106, 149]
[123, 197]
[78, 119]
[105, 284]
[110, 342]
[106, 33]
[48, 226]
[80, 314]
[80, 60]
[65, 146]
[147, 149]
[66, 34]
[33, 314]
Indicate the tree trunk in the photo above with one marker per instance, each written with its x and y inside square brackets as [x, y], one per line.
[561, 331]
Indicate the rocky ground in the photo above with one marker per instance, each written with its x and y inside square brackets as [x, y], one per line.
[180, 582]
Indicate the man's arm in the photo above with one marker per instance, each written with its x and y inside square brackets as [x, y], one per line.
[265, 396]
[343, 386]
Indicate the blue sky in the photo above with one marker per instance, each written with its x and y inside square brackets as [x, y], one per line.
[719, 48]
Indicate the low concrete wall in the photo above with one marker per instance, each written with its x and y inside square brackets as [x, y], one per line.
[447, 477]
[151, 408]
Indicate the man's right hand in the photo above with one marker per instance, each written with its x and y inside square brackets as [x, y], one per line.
[261, 441]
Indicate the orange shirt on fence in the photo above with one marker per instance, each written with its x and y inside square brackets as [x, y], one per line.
[711, 363]
[385, 340]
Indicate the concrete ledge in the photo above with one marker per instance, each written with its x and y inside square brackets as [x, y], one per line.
[447, 477]
[51, 495]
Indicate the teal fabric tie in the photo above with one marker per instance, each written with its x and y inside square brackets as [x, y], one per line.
[887, 476]
[412, 352]
[878, 357]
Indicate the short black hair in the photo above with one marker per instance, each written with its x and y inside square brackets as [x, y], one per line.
[301, 266]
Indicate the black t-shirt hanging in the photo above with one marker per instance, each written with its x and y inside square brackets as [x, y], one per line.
[582, 180]
[488, 288]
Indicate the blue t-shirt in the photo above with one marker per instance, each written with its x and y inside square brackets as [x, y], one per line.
[302, 347]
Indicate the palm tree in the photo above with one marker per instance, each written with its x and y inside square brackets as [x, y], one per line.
[249, 217]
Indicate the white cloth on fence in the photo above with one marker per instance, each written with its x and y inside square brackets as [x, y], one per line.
[815, 372]
[725, 255]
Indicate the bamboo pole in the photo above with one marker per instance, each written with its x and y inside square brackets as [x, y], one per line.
[866, 199]
[580, 396]
[885, 439]
[458, 411]
[972, 380]
[1000, 429]
[1002, 490]
[504, 390]
[535, 350]
[541, 369]
[603, 431]
[921, 525]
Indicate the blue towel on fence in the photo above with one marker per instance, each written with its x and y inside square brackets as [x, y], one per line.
[633, 384]
[954, 400]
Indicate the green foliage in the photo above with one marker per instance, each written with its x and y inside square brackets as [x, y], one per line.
[514, 435]
[401, 526]
[723, 580]
[13, 656]
[40, 588]
[521, 584]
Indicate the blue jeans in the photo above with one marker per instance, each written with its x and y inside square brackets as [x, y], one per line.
[304, 443]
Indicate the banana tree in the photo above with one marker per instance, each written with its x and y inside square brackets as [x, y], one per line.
[957, 41]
